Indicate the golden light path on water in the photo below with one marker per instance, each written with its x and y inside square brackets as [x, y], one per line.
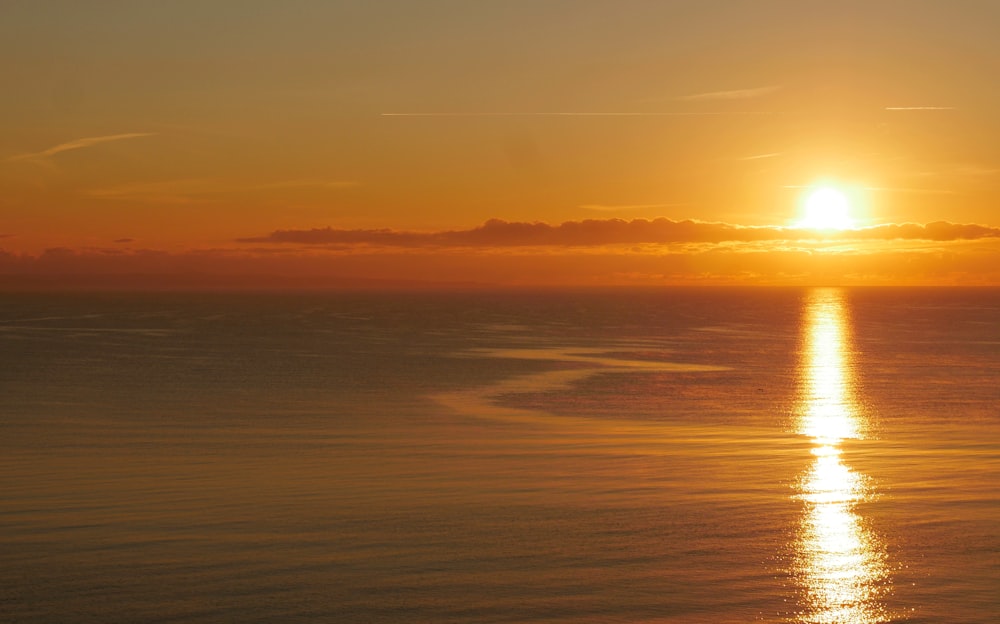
[839, 562]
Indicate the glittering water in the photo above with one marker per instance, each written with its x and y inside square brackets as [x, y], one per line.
[840, 563]
[633, 456]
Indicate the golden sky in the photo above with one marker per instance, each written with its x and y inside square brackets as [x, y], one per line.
[576, 142]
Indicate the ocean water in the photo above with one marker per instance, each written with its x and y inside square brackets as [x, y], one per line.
[676, 455]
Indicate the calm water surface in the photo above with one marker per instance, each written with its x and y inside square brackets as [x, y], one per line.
[624, 456]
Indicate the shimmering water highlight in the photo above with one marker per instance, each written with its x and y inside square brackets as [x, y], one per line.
[840, 563]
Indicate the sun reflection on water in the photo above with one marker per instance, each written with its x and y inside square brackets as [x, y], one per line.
[839, 562]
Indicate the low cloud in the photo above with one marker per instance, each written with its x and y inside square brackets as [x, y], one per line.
[968, 262]
[936, 231]
[595, 232]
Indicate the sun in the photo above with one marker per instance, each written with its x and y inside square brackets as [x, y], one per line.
[827, 208]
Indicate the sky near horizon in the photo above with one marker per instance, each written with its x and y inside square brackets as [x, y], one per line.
[542, 141]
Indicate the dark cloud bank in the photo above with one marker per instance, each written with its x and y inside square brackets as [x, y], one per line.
[499, 233]
[531, 254]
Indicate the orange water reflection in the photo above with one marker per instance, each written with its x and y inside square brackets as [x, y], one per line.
[839, 562]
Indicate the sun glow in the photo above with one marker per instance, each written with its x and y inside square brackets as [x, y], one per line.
[827, 208]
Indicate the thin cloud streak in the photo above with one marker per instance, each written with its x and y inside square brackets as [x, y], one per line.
[964, 170]
[733, 94]
[597, 232]
[583, 114]
[926, 191]
[198, 190]
[920, 108]
[79, 144]
[624, 207]
[761, 156]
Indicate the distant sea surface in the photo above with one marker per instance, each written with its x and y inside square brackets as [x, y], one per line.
[675, 455]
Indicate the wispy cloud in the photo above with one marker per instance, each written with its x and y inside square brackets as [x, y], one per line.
[625, 207]
[579, 114]
[730, 95]
[903, 189]
[733, 94]
[79, 144]
[976, 170]
[315, 183]
[963, 170]
[204, 189]
[881, 189]
[593, 232]
[920, 108]
[761, 156]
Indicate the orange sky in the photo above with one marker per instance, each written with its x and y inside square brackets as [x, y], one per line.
[334, 141]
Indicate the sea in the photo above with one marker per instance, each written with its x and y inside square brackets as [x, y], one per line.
[792, 455]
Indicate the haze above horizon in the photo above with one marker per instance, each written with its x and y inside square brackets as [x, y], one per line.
[509, 143]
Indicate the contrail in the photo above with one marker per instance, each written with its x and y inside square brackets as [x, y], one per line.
[733, 94]
[79, 144]
[919, 108]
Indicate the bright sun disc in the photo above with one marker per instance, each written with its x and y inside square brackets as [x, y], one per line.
[827, 209]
